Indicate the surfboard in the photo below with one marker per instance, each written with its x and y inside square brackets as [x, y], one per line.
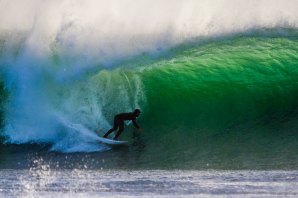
[112, 143]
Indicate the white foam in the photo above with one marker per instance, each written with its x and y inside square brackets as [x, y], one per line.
[106, 29]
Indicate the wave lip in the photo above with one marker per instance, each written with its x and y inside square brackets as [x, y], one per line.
[112, 29]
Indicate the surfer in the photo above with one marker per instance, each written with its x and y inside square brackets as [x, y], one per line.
[119, 122]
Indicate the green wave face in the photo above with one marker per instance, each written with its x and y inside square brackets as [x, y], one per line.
[234, 99]
[224, 83]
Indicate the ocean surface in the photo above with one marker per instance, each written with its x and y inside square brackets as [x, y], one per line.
[157, 183]
[217, 83]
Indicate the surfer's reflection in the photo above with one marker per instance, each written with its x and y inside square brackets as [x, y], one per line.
[138, 142]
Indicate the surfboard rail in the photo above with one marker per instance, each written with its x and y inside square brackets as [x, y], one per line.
[111, 142]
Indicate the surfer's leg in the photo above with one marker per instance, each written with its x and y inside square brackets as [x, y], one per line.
[121, 128]
[112, 129]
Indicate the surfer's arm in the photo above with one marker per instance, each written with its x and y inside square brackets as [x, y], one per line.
[135, 124]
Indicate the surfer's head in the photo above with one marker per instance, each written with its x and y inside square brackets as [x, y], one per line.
[137, 112]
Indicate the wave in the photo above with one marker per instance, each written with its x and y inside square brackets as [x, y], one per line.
[198, 71]
[246, 83]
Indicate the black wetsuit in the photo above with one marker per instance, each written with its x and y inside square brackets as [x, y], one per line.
[119, 123]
